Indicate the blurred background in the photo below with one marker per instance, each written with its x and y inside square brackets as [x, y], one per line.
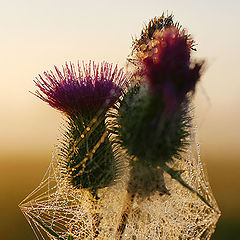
[35, 35]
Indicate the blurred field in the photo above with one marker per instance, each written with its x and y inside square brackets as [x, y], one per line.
[20, 174]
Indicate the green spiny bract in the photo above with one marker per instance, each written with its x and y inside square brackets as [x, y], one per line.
[152, 136]
[89, 159]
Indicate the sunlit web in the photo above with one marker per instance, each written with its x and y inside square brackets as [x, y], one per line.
[54, 208]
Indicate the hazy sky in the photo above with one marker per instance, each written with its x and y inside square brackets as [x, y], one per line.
[35, 35]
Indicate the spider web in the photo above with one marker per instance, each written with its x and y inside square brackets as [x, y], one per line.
[55, 210]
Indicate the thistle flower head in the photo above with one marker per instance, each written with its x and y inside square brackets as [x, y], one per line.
[155, 24]
[168, 68]
[85, 90]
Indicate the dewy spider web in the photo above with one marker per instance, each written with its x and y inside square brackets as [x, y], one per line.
[55, 210]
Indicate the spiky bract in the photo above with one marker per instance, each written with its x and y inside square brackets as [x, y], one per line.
[89, 159]
[148, 131]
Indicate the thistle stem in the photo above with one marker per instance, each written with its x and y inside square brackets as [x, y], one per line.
[96, 219]
[127, 207]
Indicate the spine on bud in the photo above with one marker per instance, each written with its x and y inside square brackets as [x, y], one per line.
[88, 152]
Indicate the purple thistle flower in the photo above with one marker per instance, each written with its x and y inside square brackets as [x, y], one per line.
[168, 69]
[83, 91]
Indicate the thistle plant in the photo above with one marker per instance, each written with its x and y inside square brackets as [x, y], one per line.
[154, 120]
[84, 96]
